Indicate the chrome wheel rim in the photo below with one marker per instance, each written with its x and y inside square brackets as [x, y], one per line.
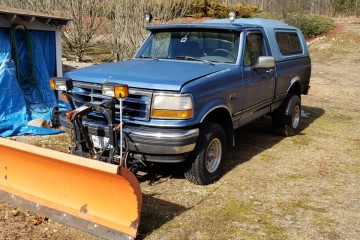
[296, 117]
[213, 155]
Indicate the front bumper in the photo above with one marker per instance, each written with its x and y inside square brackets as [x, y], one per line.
[151, 144]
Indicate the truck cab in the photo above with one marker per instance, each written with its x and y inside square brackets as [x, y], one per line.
[190, 85]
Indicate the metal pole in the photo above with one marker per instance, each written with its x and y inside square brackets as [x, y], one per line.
[121, 131]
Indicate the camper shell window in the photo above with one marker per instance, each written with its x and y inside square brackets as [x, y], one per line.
[289, 43]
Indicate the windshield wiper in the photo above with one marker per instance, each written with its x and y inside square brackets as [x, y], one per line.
[149, 57]
[194, 59]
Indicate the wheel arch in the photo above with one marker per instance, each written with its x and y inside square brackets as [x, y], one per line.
[295, 87]
[222, 116]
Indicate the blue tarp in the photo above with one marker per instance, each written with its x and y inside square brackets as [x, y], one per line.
[20, 104]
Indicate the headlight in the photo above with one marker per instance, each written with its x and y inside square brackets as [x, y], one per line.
[61, 84]
[115, 90]
[172, 106]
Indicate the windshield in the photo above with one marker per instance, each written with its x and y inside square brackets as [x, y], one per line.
[216, 46]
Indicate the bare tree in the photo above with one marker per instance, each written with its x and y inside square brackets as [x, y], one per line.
[43, 6]
[122, 21]
[277, 6]
[79, 34]
[347, 7]
[125, 28]
[22, 4]
[86, 21]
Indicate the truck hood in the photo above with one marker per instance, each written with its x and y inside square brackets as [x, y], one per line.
[146, 73]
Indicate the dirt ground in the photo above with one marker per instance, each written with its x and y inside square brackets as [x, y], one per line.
[302, 187]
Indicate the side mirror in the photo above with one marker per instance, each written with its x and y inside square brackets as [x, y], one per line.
[265, 62]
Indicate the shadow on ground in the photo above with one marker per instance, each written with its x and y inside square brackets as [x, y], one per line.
[158, 212]
[257, 137]
[251, 140]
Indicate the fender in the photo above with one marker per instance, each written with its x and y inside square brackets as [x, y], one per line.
[216, 103]
[295, 80]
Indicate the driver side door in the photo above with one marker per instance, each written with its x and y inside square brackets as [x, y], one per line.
[257, 84]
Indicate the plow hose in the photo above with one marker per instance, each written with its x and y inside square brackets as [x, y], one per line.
[95, 197]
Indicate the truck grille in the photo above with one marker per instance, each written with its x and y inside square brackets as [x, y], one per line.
[136, 106]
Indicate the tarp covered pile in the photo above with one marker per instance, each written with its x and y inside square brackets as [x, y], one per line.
[30, 97]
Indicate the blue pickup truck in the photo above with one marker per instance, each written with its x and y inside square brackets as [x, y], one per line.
[190, 86]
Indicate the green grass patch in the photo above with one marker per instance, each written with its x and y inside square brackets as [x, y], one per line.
[293, 177]
[267, 158]
[305, 204]
[324, 225]
[247, 213]
[234, 220]
[302, 140]
[236, 210]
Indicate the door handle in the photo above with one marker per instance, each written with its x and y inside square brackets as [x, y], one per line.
[270, 71]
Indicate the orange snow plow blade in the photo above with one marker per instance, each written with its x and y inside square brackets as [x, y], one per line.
[95, 197]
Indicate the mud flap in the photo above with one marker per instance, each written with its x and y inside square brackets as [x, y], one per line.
[95, 197]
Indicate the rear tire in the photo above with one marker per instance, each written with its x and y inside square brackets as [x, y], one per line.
[205, 164]
[285, 120]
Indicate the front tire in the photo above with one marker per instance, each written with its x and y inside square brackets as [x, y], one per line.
[206, 162]
[285, 120]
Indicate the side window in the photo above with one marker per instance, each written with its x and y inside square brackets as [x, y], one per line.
[254, 48]
[289, 43]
